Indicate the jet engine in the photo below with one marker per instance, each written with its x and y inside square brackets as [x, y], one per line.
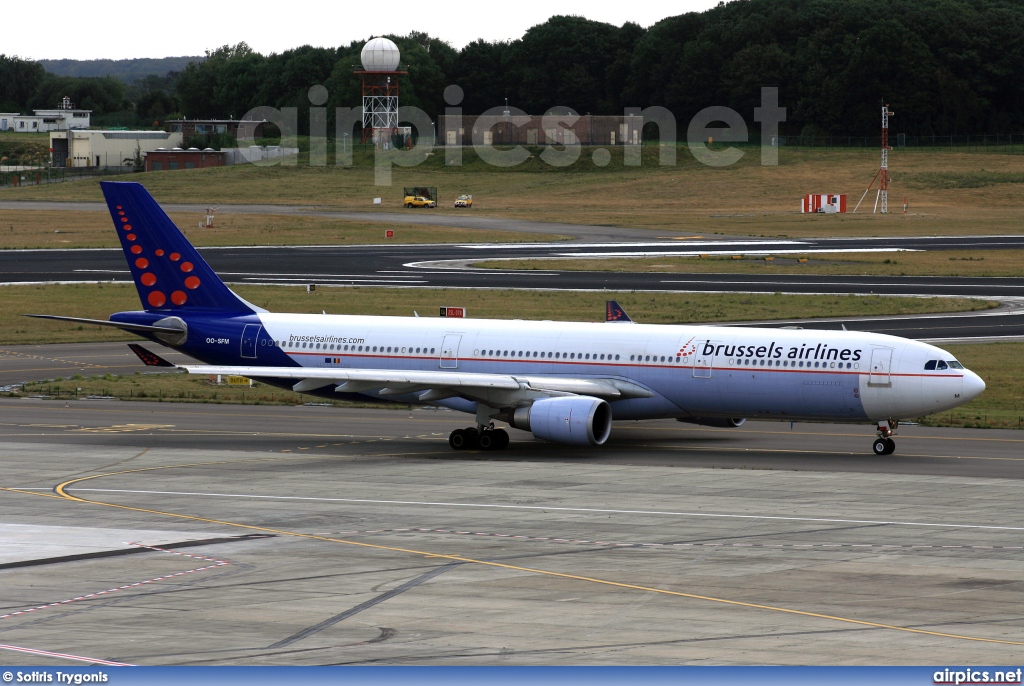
[717, 422]
[576, 420]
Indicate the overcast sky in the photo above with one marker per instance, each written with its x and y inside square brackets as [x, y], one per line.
[118, 29]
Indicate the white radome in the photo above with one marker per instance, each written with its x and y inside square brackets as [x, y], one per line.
[380, 54]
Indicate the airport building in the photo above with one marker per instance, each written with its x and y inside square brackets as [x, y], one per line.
[64, 118]
[210, 127]
[176, 158]
[106, 149]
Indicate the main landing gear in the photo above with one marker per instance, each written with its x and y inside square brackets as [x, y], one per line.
[482, 437]
[884, 445]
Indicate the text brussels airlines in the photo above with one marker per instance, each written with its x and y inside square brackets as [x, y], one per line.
[820, 351]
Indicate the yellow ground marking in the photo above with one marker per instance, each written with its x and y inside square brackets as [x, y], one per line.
[51, 359]
[173, 409]
[123, 428]
[831, 433]
[61, 491]
[793, 451]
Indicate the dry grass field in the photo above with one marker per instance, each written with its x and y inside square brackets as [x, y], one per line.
[937, 263]
[63, 229]
[950, 192]
[98, 301]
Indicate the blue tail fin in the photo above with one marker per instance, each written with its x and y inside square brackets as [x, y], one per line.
[168, 272]
[615, 313]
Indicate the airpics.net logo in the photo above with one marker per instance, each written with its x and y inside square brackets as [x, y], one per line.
[501, 137]
[967, 676]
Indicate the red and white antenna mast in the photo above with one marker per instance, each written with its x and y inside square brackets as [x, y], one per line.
[883, 181]
[882, 176]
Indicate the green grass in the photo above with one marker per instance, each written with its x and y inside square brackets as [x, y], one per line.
[21, 229]
[951, 180]
[98, 301]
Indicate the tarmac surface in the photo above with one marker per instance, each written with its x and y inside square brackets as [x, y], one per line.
[161, 533]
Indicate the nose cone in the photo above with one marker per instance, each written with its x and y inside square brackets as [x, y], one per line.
[973, 385]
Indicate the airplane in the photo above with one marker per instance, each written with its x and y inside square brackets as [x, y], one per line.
[563, 382]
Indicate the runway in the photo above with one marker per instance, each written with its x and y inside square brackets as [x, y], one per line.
[326, 536]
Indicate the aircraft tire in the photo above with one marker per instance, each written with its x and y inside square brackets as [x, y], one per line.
[459, 439]
[501, 437]
[488, 441]
[881, 446]
[890, 446]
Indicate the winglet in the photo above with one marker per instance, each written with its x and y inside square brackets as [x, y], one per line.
[148, 358]
[615, 313]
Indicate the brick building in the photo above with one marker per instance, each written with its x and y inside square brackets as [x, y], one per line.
[193, 158]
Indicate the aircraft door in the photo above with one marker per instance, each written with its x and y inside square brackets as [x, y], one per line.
[881, 363]
[702, 363]
[450, 351]
[250, 334]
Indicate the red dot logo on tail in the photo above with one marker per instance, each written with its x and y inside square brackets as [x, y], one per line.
[136, 249]
[186, 267]
[178, 297]
[157, 299]
[192, 283]
[148, 279]
[142, 263]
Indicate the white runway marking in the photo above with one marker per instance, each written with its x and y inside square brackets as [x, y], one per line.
[565, 509]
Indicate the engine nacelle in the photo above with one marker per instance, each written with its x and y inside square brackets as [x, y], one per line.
[717, 422]
[576, 420]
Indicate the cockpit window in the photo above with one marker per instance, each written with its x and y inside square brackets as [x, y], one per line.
[930, 364]
[941, 365]
[953, 364]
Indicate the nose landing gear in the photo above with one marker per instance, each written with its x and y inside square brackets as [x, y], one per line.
[884, 445]
[483, 437]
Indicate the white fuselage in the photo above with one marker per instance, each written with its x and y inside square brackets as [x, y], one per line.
[692, 371]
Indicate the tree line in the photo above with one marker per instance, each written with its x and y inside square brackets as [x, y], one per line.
[944, 66]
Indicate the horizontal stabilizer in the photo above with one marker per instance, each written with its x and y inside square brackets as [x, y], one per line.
[150, 359]
[124, 326]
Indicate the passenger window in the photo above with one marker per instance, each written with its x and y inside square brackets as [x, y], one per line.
[942, 365]
[929, 365]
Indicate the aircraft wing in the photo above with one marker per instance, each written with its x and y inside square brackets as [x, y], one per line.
[431, 385]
